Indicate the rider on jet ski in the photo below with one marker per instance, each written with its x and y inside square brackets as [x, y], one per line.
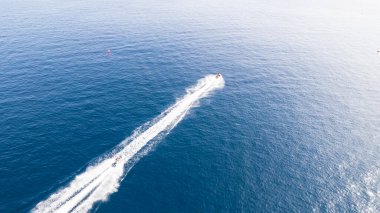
[116, 160]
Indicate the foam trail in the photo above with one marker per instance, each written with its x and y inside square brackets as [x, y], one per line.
[100, 180]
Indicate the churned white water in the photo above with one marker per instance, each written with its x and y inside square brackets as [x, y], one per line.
[101, 179]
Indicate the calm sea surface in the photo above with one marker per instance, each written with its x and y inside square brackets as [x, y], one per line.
[295, 129]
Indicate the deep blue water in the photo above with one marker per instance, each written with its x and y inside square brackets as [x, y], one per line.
[295, 129]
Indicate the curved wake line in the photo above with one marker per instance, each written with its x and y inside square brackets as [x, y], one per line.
[101, 179]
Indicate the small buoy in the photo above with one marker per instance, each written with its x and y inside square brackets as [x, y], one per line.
[109, 52]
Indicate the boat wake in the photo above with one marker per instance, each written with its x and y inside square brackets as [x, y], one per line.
[103, 177]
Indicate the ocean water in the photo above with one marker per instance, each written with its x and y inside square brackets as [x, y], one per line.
[296, 127]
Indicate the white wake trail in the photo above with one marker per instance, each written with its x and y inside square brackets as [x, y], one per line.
[100, 180]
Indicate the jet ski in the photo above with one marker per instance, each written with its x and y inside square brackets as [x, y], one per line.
[218, 75]
[116, 161]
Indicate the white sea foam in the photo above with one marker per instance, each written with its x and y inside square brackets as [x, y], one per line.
[101, 179]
